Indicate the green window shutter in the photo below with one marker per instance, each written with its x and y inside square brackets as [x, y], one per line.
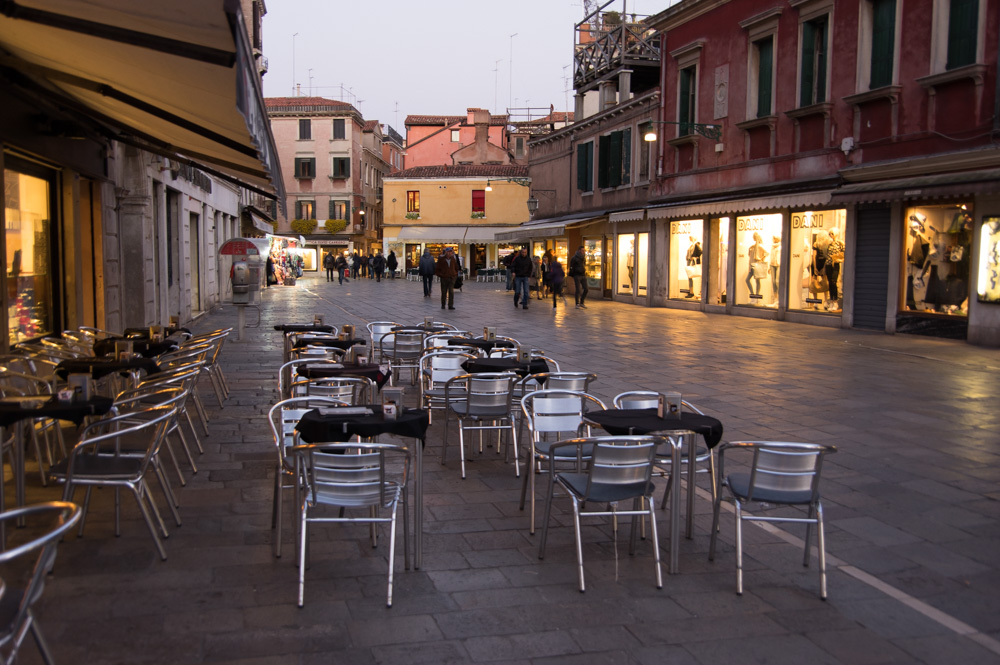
[626, 155]
[686, 91]
[347, 211]
[590, 166]
[765, 52]
[603, 160]
[298, 210]
[584, 166]
[807, 81]
[614, 159]
[883, 42]
[820, 59]
[963, 31]
[332, 213]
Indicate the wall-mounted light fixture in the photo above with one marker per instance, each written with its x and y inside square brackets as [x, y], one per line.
[523, 182]
[713, 132]
[533, 201]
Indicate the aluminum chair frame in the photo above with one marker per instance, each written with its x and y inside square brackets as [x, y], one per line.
[403, 352]
[618, 468]
[22, 620]
[353, 390]
[376, 329]
[433, 378]
[781, 473]
[352, 476]
[287, 374]
[482, 398]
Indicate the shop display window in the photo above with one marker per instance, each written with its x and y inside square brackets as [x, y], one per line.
[538, 248]
[592, 259]
[27, 215]
[626, 263]
[717, 261]
[989, 261]
[642, 255]
[815, 277]
[937, 266]
[561, 251]
[758, 260]
[685, 261]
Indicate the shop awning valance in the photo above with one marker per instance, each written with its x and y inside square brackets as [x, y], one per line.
[550, 228]
[627, 216]
[733, 206]
[450, 234]
[942, 185]
[177, 77]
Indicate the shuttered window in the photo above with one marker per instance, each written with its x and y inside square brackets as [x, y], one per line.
[626, 155]
[339, 128]
[813, 81]
[305, 167]
[305, 128]
[883, 42]
[686, 92]
[479, 200]
[963, 32]
[585, 167]
[340, 210]
[305, 210]
[341, 167]
[765, 59]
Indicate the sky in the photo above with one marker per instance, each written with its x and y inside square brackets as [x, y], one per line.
[393, 58]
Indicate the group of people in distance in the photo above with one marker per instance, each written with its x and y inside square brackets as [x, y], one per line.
[547, 273]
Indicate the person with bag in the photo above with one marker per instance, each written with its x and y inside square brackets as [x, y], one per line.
[556, 280]
[426, 271]
[578, 271]
[328, 264]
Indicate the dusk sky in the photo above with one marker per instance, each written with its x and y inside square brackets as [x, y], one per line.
[393, 58]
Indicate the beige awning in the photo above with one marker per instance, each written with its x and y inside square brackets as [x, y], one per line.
[713, 208]
[550, 228]
[941, 185]
[174, 77]
[627, 216]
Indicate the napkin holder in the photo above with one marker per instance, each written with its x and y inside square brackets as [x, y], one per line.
[123, 349]
[348, 329]
[392, 403]
[523, 354]
[428, 321]
[489, 333]
[361, 359]
[317, 319]
[175, 322]
[79, 384]
[156, 333]
[668, 406]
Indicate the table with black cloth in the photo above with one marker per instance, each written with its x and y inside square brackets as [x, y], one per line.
[14, 410]
[304, 327]
[331, 342]
[422, 328]
[646, 421]
[371, 371]
[98, 368]
[317, 427]
[486, 345]
[146, 348]
[480, 365]
[143, 333]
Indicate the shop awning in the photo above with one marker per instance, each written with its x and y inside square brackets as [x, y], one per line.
[176, 78]
[547, 228]
[712, 208]
[258, 222]
[942, 185]
[455, 234]
[627, 216]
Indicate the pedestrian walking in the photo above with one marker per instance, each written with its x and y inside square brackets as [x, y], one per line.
[355, 264]
[341, 268]
[447, 270]
[556, 279]
[391, 263]
[508, 261]
[578, 271]
[378, 265]
[371, 266]
[522, 267]
[329, 263]
[426, 270]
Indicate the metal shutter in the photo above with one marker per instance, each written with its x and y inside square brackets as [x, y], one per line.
[871, 268]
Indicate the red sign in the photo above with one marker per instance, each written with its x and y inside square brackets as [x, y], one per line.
[239, 247]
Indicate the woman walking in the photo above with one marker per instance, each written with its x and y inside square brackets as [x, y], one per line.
[556, 280]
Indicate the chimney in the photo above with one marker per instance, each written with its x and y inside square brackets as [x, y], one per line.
[481, 118]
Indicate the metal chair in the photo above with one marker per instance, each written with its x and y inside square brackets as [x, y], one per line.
[216, 338]
[367, 476]
[555, 414]
[782, 474]
[353, 390]
[608, 470]
[485, 400]
[288, 373]
[17, 617]
[97, 461]
[376, 330]
[437, 367]
[403, 350]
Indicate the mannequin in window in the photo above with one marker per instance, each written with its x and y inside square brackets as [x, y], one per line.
[693, 257]
[819, 285]
[774, 264]
[630, 266]
[756, 264]
[834, 257]
[918, 262]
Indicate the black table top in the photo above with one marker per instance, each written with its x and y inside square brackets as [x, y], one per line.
[484, 344]
[12, 411]
[101, 367]
[479, 365]
[327, 341]
[329, 371]
[421, 328]
[143, 333]
[303, 327]
[644, 421]
[144, 347]
[315, 427]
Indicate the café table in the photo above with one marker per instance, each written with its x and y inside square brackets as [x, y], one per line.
[422, 328]
[143, 333]
[480, 365]
[330, 342]
[377, 373]
[146, 348]
[98, 368]
[286, 328]
[15, 409]
[646, 421]
[486, 345]
[327, 425]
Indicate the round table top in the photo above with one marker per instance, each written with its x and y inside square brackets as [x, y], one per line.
[13, 410]
[144, 347]
[371, 371]
[303, 327]
[101, 367]
[327, 341]
[484, 344]
[645, 421]
[422, 328]
[316, 426]
[479, 365]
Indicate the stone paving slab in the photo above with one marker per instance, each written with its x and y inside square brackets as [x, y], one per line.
[911, 498]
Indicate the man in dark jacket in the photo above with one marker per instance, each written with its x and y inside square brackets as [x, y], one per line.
[578, 271]
[426, 270]
[391, 263]
[328, 264]
[341, 268]
[379, 265]
[522, 266]
[447, 270]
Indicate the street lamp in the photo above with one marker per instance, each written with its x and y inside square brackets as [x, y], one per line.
[713, 132]
[533, 201]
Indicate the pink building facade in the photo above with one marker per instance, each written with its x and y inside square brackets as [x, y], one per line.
[438, 140]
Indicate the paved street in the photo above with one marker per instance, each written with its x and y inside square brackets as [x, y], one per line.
[912, 502]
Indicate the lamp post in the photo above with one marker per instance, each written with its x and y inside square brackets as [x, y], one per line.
[533, 201]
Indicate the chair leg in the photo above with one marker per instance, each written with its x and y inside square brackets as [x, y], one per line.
[173, 459]
[200, 407]
[716, 505]
[392, 550]
[168, 493]
[138, 492]
[656, 544]
[276, 511]
[805, 553]
[197, 441]
[406, 528]
[739, 547]
[303, 529]
[821, 538]
[153, 508]
[36, 632]
[461, 444]
[579, 542]
[546, 518]
[186, 448]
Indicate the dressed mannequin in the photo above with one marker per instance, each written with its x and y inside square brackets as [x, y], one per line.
[774, 265]
[819, 286]
[756, 257]
[918, 262]
[834, 257]
[693, 264]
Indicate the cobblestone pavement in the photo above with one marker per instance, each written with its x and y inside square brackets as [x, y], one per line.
[912, 504]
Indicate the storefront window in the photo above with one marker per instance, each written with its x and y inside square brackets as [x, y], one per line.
[989, 261]
[561, 250]
[815, 276]
[758, 258]
[29, 276]
[626, 263]
[437, 249]
[684, 263]
[717, 261]
[938, 242]
[641, 257]
[538, 248]
[592, 257]
[503, 251]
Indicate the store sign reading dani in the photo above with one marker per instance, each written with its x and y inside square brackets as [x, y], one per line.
[757, 223]
[807, 220]
[683, 228]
